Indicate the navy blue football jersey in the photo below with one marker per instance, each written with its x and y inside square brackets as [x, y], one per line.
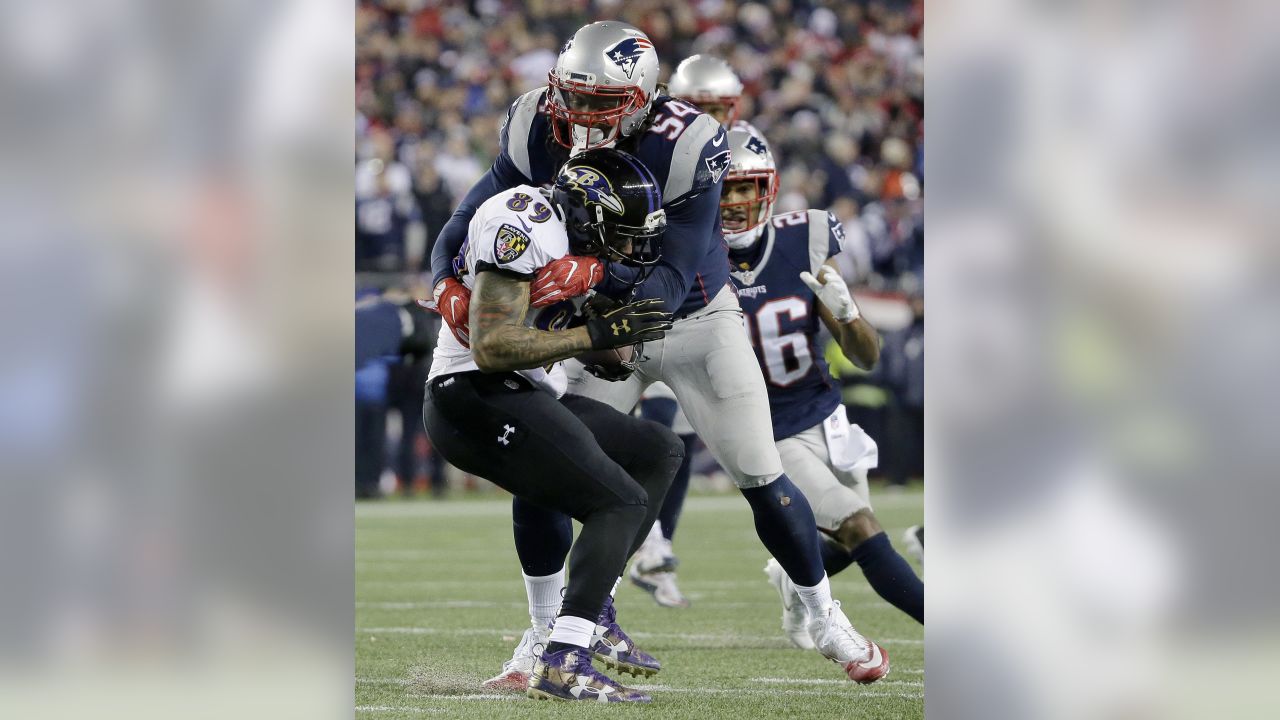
[685, 149]
[781, 316]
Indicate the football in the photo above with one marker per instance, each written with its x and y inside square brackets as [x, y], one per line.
[606, 358]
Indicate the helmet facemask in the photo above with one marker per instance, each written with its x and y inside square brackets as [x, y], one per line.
[585, 116]
[746, 204]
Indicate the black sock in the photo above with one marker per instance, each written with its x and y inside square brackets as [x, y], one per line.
[834, 556]
[785, 524]
[673, 503]
[890, 575]
[542, 537]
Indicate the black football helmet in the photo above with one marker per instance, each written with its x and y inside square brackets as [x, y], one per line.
[611, 206]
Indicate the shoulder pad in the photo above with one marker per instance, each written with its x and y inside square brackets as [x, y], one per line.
[699, 158]
[516, 128]
[819, 239]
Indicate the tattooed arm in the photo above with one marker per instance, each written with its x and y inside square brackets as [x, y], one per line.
[499, 339]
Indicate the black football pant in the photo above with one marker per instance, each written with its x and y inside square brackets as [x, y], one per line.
[577, 456]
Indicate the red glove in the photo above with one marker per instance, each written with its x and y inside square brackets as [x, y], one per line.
[453, 302]
[568, 277]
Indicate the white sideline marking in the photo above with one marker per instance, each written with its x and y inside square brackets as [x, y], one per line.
[423, 630]
[389, 708]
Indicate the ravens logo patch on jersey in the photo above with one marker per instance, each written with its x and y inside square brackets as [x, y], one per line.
[510, 243]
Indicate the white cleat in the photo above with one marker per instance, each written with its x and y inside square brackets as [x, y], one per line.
[660, 584]
[794, 616]
[863, 661]
[515, 672]
[913, 538]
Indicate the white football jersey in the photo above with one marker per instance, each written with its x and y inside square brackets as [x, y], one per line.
[516, 233]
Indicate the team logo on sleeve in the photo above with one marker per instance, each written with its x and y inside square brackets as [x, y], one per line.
[718, 163]
[510, 243]
[627, 52]
[594, 188]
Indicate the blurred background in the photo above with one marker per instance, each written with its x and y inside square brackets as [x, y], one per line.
[836, 87]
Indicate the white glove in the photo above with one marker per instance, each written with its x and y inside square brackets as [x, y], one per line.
[832, 292]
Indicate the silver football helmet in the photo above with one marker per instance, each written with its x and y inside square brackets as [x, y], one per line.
[709, 83]
[750, 188]
[602, 85]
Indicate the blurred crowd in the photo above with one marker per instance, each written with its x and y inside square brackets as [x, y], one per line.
[835, 85]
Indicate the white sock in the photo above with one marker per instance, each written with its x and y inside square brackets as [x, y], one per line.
[655, 533]
[816, 598]
[616, 583]
[544, 597]
[572, 630]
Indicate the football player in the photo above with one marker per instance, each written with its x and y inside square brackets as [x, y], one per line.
[653, 568]
[496, 409]
[787, 282]
[708, 83]
[602, 92]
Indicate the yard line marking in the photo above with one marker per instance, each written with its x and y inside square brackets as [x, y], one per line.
[389, 708]
[675, 689]
[727, 637]
[477, 696]
[455, 604]
[434, 604]
[761, 691]
[501, 506]
[824, 681]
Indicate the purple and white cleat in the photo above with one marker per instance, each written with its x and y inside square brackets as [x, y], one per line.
[569, 675]
[616, 649]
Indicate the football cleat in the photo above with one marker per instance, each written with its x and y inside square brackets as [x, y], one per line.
[863, 661]
[569, 675]
[914, 540]
[613, 647]
[795, 618]
[661, 585]
[515, 672]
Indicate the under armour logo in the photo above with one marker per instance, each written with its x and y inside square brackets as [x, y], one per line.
[507, 430]
[624, 328]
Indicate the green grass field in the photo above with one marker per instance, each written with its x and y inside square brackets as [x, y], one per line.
[440, 606]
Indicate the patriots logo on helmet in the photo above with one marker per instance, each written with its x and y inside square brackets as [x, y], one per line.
[594, 188]
[717, 164]
[626, 53]
[756, 145]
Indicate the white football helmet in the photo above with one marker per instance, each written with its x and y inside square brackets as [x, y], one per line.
[602, 85]
[709, 83]
[743, 220]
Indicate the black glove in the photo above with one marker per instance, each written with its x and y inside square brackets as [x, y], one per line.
[629, 324]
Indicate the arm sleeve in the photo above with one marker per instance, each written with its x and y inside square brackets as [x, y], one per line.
[693, 222]
[690, 226]
[504, 174]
